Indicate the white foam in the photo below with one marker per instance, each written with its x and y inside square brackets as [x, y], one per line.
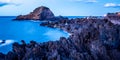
[34, 21]
[0, 41]
[7, 42]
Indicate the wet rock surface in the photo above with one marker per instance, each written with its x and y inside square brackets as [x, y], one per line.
[90, 39]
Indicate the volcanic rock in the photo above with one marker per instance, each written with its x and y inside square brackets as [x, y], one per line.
[40, 13]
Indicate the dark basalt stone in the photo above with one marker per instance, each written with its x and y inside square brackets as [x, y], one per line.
[2, 56]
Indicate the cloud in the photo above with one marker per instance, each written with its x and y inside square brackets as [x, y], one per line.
[88, 1]
[3, 4]
[7, 2]
[76, 0]
[92, 1]
[113, 5]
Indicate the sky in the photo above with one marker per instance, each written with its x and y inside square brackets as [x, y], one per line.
[60, 7]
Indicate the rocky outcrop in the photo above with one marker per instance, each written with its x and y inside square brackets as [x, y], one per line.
[113, 16]
[91, 39]
[40, 13]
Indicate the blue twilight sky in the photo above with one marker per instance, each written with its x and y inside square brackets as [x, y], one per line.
[60, 7]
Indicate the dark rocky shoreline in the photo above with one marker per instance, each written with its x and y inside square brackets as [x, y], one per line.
[90, 39]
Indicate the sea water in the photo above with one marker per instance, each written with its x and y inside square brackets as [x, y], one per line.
[15, 31]
[27, 30]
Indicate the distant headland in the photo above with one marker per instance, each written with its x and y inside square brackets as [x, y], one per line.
[40, 13]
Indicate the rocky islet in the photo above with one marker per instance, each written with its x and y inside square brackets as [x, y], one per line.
[40, 13]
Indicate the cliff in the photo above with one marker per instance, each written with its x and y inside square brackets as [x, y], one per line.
[40, 13]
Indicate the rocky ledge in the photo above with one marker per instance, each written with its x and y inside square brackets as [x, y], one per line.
[40, 13]
[90, 39]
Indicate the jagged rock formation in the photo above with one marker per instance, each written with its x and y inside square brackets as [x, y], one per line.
[40, 13]
[90, 39]
[113, 16]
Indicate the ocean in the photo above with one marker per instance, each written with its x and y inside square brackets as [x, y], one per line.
[15, 31]
[72, 17]
[27, 30]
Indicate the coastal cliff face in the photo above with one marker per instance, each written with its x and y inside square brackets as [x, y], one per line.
[40, 13]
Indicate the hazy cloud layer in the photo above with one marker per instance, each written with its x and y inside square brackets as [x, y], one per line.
[89, 1]
[7, 2]
[3, 4]
[113, 5]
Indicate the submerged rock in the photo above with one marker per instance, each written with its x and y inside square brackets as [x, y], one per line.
[2, 56]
